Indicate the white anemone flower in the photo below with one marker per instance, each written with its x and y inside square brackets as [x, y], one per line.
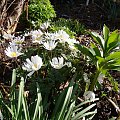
[32, 65]
[89, 95]
[18, 40]
[37, 36]
[62, 36]
[49, 44]
[57, 63]
[45, 26]
[13, 51]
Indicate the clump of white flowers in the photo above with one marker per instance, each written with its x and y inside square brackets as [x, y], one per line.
[45, 39]
[13, 51]
[32, 65]
[49, 42]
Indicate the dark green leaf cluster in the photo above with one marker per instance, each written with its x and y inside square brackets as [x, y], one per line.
[40, 11]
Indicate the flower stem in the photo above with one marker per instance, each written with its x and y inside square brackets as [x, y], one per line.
[93, 83]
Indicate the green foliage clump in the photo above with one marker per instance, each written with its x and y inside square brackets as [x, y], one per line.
[72, 25]
[40, 11]
[104, 54]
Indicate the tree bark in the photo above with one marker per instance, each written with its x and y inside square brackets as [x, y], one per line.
[10, 11]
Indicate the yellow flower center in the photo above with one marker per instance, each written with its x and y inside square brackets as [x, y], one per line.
[18, 42]
[37, 39]
[13, 54]
[35, 65]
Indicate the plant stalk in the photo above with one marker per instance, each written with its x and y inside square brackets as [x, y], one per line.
[93, 83]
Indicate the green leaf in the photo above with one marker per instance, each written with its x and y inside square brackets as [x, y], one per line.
[102, 64]
[113, 37]
[84, 50]
[98, 39]
[13, 78]
[113, 118]
[113, 63]
[113, 56]
[96, 50]
[112, 46]
[25, 108]
[12, 94]
[105, 32]
[101, 60]
[20, 97]
[77, 109]
[111, 43]
[24, 102]
[75, 90]
[112, 67]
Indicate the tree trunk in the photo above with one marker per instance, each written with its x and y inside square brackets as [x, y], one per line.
[10, 11]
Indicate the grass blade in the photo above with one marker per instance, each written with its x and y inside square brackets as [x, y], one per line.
[78, 115]
[25, 106]
[20, 97]
[10, 110]
[68, 116]
[66, 102]
[13, 98]
[88, 113]
[38, 104]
